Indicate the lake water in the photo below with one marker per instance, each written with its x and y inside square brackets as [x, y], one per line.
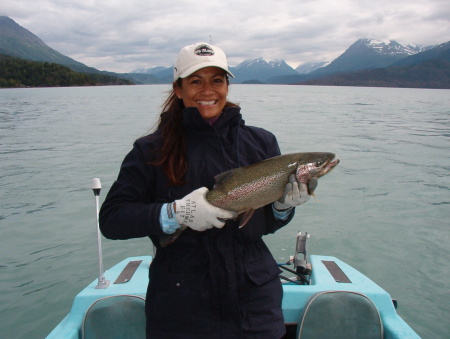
[384, 210]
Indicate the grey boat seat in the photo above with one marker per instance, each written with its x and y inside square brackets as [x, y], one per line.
[340, 314]
[115, 317]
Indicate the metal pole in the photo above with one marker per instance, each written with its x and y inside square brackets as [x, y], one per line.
[102, 282]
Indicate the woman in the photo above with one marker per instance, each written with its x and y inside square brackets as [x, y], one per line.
[216, 280]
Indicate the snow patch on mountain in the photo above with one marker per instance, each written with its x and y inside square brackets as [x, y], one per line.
[391, 47]
[309, 67]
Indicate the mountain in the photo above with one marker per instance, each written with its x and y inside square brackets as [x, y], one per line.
[363, 55]
[366, 54]
[18, 42]
[391, 47]
[161, 74]
[311, 67]
[427, 69]
[249, 71]
[15, 72]
[439, 52]
[429, 74]
[260, 70]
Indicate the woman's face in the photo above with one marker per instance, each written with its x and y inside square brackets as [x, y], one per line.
[206, 89]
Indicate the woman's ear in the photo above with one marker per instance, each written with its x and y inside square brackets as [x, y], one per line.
[177, 90]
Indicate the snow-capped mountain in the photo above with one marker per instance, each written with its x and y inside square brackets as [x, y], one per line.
[366, 54]
[311, 66]
[392, 47]
[261, 70]
[248, 70]
[261, 63]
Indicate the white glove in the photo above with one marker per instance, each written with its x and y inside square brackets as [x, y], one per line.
[295, 194]
[195, 212]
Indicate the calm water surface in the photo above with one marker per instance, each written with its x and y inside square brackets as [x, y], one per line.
[385, 209]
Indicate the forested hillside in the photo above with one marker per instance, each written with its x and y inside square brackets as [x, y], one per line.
[15, 72]
[430, 74]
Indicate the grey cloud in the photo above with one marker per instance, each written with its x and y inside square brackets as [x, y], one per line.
[121, 37]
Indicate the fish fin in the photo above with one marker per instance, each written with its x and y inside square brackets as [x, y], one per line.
[312, 185]
[169, 239]
[219, 178]
[245, 218]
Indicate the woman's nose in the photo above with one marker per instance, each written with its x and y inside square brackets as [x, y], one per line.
[207, 88]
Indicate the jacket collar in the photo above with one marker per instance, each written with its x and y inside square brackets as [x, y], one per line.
[192, 120]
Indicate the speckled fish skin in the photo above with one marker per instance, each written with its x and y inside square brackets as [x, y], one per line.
[262, 183]
[251, 187]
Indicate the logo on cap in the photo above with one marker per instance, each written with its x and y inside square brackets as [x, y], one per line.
[204, 50]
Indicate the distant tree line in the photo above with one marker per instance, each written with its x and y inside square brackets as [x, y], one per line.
[430, 74]
[15, 72]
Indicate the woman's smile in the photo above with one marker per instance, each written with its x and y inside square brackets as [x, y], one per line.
[206, 89]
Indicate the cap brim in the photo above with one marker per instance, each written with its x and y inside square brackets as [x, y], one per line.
[195, 68]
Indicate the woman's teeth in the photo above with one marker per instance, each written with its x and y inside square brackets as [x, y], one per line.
[206, 103]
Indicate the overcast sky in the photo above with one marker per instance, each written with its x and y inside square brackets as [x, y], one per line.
[122, 35]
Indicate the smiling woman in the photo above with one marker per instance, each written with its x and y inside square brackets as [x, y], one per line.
[199, 71]
[200, 75]
[206, 89]
[221, 278]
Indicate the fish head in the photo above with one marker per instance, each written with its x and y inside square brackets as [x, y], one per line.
[315, 164]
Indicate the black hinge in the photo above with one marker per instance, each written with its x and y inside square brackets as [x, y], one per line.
[337, 273]
[128, 271]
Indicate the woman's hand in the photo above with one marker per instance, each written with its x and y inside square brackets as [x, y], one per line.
[295, 193]
[195, 212]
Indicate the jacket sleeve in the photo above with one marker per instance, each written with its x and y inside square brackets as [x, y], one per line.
[130, 210]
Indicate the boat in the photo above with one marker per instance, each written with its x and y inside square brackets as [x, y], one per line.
[324, 297]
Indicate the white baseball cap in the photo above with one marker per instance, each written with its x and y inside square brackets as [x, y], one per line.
[197, 56]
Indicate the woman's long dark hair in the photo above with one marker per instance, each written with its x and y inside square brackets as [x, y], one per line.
[173, 150]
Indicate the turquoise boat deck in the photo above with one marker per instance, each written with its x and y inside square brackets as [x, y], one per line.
[294, 300]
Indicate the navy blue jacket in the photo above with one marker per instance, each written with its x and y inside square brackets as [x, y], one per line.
[221, 283]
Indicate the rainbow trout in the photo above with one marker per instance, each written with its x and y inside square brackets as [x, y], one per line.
[246, 189]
